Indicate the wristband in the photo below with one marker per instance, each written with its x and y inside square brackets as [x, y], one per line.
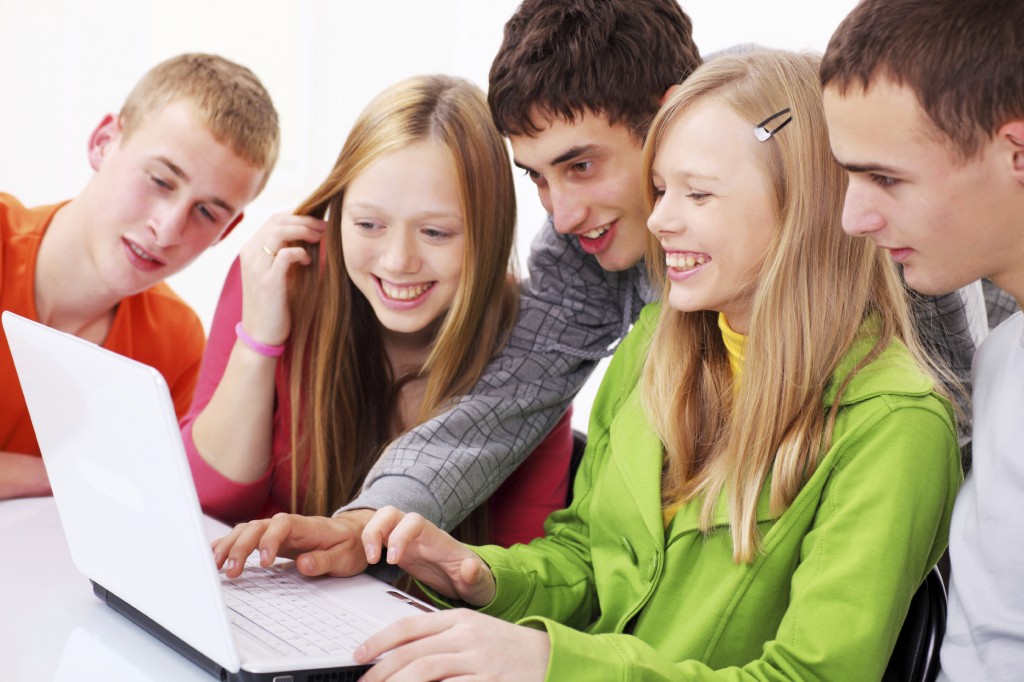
[263, 349]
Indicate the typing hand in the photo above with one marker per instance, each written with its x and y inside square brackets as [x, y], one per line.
[319, 545]
[459, 644]
[428, 554]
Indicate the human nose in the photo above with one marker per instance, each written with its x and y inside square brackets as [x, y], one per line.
[168, 223]
[568, 209]
[663, 220]
[860, 217]
[400, 252]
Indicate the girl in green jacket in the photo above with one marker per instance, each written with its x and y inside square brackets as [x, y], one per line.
[769, 471]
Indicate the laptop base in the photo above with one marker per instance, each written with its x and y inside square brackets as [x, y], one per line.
[162, 634]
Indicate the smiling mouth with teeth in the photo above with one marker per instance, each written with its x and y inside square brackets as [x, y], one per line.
[686, 261]
[596, 232]
[406, 293]
[140, 253]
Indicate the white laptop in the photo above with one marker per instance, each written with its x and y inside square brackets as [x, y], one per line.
[121, 482]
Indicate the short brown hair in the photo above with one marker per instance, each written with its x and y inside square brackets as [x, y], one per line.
[964, 59]
[226, 96]
[563, 58]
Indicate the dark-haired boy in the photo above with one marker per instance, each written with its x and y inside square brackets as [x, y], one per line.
[193, 144]
[925, 106]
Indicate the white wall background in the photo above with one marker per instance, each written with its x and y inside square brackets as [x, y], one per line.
[66, 63]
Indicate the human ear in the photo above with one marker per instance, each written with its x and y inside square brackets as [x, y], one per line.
[102, 137]
[668, 93]
[231, 226]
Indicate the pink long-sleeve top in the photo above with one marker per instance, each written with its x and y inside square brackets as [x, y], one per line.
[517, 508]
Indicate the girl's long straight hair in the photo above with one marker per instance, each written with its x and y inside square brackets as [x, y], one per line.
[342, 390]
[817, 289]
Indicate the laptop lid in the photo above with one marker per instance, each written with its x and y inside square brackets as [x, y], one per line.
[111, 444]
[109, 437]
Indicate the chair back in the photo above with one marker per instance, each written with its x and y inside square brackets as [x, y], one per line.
[579, 446]
[916, 655]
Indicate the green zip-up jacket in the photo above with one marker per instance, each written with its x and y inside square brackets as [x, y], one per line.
[624, 598]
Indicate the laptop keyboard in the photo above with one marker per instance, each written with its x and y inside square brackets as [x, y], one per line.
[288, 617]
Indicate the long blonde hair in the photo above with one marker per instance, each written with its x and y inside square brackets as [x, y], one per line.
[816, 288]
[342, 390]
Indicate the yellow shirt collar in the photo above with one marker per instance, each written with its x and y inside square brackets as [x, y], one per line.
[735, 346]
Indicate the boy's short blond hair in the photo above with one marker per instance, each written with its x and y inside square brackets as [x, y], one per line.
[226, 96]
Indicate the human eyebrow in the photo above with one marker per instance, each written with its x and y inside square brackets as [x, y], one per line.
[523, 167]
[425, 214]
[868, 168]
[688, 175]
[702, 177]
[574, 153]
[173, 167]
[568, 155]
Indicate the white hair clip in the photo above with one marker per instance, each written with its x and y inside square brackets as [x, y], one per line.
[763, 134]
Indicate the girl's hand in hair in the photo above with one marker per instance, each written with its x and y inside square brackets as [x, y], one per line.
[266, 261]
[429, 555]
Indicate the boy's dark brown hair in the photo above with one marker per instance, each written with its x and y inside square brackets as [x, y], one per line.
[565, 58]
[964, 59]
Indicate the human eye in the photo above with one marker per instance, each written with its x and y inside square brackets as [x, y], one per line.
[159, 181]
[535, 177]
[699, 197]
[206, 213]
[437, 234]
[883, 180]
[367, 226]
[582, 167]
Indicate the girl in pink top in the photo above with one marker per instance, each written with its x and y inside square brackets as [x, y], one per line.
[390, 288]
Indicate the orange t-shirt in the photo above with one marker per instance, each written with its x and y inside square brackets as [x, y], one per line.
[154, 327]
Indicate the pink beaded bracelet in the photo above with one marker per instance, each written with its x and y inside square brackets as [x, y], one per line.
[263, 349]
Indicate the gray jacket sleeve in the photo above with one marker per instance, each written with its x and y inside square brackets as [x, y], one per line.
[943, 327]
[572, 313]
[998, 303]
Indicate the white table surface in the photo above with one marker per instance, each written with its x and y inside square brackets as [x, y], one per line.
[52, 627]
